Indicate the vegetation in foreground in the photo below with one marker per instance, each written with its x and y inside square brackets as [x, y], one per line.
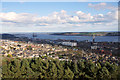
[55, 69]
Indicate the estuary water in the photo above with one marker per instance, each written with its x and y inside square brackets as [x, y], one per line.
[78, 38]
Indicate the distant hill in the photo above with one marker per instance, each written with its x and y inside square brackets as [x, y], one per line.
[88, 33]
[113, 34]
[7, 36]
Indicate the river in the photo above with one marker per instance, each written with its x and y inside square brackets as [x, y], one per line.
[78, 38]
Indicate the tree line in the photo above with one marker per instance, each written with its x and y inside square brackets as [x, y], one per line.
[54, 69]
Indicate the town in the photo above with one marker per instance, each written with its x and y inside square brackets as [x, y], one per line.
[28, 50]
[58, 49]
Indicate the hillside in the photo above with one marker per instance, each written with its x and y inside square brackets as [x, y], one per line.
[7, 36]
[88, 33]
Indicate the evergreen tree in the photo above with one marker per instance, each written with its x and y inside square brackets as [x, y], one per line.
[26, 71]
[15, 67]
[75, 70]
[68, 74]
[52, 71]
[55, 69]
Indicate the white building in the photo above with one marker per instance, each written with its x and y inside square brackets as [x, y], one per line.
[69, 43]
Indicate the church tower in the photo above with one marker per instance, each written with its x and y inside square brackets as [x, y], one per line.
[93, 38]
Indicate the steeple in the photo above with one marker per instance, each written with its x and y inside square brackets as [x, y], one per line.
[93, 38]
[34, 35]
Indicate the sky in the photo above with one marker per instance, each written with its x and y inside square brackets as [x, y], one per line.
[59, 0]
[59, 16]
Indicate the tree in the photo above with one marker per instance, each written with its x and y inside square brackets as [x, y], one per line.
[52, 71]
[26, 71]
[68, 74]
[60, 69]
[104, 74]
[55, 69]
[9, 55]
[15, 67]
[75, 70]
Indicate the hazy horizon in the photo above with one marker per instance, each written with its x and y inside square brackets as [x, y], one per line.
[48, 32]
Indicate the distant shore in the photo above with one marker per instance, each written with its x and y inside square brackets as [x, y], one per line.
[88, 33]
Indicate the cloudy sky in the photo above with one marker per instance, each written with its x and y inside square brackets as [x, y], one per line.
[59, 16]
